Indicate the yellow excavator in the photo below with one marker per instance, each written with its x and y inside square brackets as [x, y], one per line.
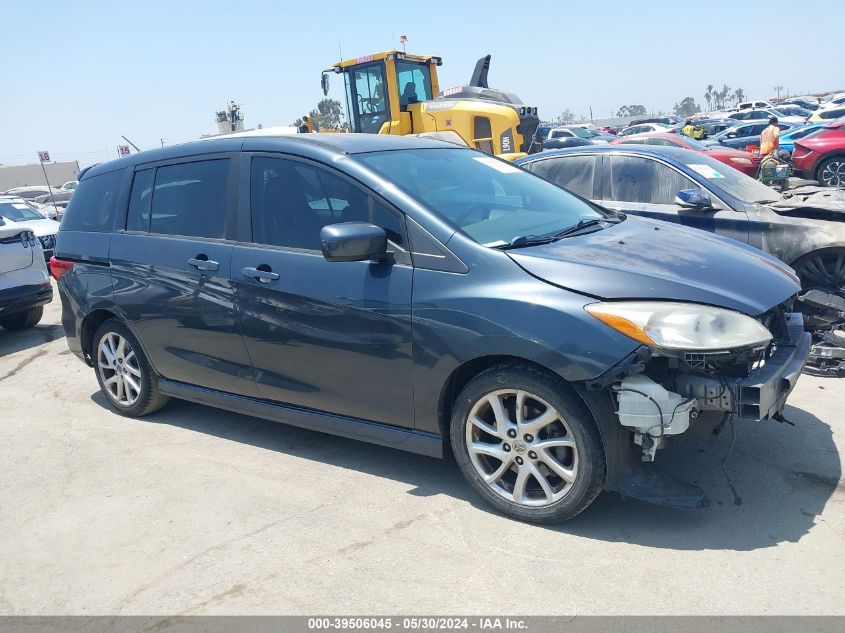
[394, 92]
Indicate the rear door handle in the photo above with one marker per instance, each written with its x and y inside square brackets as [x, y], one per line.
[204, 264]
[264, 276]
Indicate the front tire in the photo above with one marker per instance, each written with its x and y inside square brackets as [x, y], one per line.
[822, 270]
[23, 320]
[126, 377]
[527, 444]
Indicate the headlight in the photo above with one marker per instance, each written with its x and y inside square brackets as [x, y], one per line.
[681, 326]
[741, 161]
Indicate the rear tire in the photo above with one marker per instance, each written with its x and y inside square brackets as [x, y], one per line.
[126, 377]
[23, 320]
[527, 444]
[831, 172]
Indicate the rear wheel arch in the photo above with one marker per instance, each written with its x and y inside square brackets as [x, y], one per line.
[90, 323]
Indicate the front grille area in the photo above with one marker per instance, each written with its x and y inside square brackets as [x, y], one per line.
[48, 242]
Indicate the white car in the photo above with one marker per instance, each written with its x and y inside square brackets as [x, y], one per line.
[750, 105]
[24, 281]
[645, 128]
[19, 211]
[70, 185]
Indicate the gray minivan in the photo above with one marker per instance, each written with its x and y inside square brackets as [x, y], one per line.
[420, 295]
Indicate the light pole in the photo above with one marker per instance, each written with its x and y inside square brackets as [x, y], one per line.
[778, 88]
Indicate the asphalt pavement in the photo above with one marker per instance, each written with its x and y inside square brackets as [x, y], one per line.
[193, 510]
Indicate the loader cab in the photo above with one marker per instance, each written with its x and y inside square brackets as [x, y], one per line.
[382, 90]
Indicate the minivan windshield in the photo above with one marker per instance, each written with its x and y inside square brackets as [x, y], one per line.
[489, 199]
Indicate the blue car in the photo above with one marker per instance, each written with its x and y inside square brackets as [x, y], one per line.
[788, 138]
[426, 297]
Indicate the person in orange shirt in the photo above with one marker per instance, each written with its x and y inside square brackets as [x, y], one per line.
[770, 138]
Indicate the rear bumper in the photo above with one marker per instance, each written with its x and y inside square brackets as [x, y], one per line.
[25, 297]
[804, 165]
[763, 394]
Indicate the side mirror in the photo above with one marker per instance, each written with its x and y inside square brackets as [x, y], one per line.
[324, 84]
[693, 199]
[353, 242]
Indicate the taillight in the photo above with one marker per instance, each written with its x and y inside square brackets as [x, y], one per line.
[59, 267]
[800, 152]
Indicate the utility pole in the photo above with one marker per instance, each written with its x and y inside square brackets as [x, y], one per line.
[778, 88]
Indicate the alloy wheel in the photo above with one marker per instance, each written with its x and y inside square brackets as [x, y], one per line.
[119, 369]
[833, 174]
[521, 447]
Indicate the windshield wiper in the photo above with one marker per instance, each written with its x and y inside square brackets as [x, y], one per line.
[535, 240]
[584, 224]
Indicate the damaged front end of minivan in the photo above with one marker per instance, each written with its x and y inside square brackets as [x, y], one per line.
[699, 367]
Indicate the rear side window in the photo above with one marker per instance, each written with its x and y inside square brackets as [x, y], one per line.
[634, 179]
[575, 173]
[93, 205]
[190, 199]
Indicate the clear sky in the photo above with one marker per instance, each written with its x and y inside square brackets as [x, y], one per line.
[76, 75]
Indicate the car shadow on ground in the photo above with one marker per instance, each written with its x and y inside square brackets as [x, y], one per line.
[12, 341]
[782, 475]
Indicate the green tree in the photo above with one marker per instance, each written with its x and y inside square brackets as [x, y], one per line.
[686, 107]
[708, 96]
[328, 115]
[566, 117]
[632, 110]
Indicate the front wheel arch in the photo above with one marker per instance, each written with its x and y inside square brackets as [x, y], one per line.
[468, 370]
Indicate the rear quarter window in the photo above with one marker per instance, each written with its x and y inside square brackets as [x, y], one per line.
[94, 204]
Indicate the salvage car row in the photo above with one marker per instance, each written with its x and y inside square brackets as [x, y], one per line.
[821, 155]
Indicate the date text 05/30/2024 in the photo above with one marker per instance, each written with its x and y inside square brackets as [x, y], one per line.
[433, 623]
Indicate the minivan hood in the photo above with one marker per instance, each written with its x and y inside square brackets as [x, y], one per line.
[645, 259]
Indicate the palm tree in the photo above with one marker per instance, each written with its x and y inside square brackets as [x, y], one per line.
[723, 95]
[708, 96]
[739, 95]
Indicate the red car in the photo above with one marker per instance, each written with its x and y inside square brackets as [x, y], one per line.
[821, 156]
[746, 162]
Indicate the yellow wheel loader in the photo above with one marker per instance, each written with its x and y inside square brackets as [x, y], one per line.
[394, 92]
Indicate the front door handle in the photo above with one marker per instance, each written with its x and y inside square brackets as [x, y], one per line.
[264, 276]
[204, 263]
